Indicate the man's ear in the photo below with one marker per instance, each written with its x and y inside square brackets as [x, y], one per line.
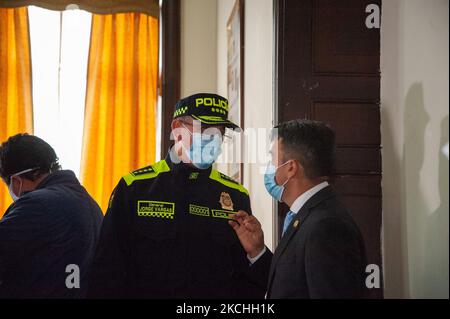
[296, 169]
[176, 126]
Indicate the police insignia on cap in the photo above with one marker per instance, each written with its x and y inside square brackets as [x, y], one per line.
[225, 201]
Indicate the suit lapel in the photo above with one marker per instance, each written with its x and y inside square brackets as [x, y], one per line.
[295, 225]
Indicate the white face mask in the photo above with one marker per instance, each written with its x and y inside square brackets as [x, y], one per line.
[10, 188]
[11, 192]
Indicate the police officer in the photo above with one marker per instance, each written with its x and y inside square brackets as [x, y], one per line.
[166, 233]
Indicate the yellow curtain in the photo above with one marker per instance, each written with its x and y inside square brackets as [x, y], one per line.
[16, 113]
[150, 7]
[120, 124]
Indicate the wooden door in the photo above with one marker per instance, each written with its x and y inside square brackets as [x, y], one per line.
[328, 69]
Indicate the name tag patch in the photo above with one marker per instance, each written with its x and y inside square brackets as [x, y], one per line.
[148, 208]
[198, 210]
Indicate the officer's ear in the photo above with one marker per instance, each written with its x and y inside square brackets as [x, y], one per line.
[175, 124]
[177, 128]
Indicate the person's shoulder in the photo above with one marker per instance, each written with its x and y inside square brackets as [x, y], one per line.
[329, 208]
[30, 205]
[39, 196]
[227, 181]
[331, 215]
[146, 173]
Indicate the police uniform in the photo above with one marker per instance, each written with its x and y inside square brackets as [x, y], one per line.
[166, 235]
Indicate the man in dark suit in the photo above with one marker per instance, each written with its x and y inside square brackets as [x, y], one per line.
[321, 253]
[49, 234]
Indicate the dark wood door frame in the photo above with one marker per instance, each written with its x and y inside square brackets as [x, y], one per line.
[169, 78]
[327, 68]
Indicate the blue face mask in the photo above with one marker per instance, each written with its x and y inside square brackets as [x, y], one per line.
[275, 190]
[204, 150]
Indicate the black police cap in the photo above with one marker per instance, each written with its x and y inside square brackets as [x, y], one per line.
[208, 108]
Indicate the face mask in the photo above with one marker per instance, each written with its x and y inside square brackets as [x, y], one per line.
[204, 149]
[11, 193]
[275, 190]
[10, 188]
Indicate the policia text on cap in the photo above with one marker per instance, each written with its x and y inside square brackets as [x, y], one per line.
[166, 232]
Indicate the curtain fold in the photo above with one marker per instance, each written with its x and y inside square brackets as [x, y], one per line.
[16, 113]
[121, 100]
[150, 7]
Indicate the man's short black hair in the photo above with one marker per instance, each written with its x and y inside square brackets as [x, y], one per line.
[24, 151]
[312, 143]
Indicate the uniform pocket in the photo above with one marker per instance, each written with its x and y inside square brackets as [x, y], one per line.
[155, 229]
[223, 236]
[225, 250]
[153, 254]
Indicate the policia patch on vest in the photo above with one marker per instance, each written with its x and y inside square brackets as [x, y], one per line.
[205, 212]
[222, 213]
[148, 208]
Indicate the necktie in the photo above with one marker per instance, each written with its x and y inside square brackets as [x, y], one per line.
[287, 220]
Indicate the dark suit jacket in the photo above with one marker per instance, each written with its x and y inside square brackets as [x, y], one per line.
[321, 255]
[43, 232]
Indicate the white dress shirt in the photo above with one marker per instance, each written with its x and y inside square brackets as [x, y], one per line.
[303, 198]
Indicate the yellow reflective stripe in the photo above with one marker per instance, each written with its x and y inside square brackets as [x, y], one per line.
[215, 175]
[210, 120]
[160, 167]
[129, 179]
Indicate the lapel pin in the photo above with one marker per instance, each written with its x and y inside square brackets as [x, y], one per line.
[296, 223]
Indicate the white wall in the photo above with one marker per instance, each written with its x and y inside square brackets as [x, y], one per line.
[258, 90]
[259, 100]
[414, 103]
[204, 68]
[198, 46]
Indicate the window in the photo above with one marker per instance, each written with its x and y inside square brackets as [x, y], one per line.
[59, 55]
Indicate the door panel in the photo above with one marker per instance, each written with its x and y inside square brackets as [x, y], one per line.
[342, 43]
[328, 69]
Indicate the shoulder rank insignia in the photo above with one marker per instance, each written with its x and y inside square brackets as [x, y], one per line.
[147, 172]
[225, 201]
[225, 177]
[142, 171]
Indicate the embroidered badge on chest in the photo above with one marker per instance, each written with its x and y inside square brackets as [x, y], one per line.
[225, 201]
